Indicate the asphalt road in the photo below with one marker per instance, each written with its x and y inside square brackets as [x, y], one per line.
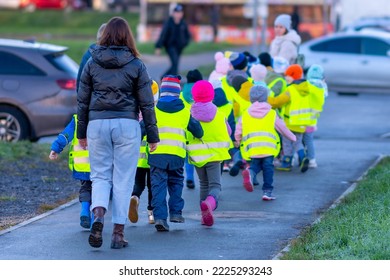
[352, 134]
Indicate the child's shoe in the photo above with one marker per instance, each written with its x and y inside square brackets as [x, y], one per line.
[161, 225]
[286, 164]
[236, 168]
[150, 216]
[313, 163]
[226, 167]
[190, 184]
[247, 180]
[85, 215]
[207, 207]
[267, 196]
[133, 209]
[303, 161]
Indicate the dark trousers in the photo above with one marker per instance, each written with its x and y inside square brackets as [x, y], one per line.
[267, 166]
[85, 191]
[167, 181]
[174, 56]
[142, 179]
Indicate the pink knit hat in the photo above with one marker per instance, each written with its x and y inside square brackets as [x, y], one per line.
[258, 72]
[203, 91]
[222, 63]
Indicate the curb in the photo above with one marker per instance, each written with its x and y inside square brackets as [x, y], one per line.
[29, 221]
[334, 205]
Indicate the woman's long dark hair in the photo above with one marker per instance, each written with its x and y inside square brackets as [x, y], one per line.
[118, 33]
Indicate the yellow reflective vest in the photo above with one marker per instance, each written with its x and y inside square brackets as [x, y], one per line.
[303, 110]
[259, 136]
[214, 146]
[172, 128]
[143, 157]
[229, 90]
[78, 157]
[317, 99]
[271, 84]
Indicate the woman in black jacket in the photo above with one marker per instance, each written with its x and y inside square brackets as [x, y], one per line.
[114, 87]
[174, 37]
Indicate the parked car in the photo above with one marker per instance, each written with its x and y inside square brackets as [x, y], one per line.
[31, 5]
[37, 89]
[371, 23]
[352, 62]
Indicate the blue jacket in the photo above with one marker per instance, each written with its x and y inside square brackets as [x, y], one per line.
[171, 104]
[84, 59]
[63, 139]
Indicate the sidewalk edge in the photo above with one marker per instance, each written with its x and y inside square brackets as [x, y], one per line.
[36, 218]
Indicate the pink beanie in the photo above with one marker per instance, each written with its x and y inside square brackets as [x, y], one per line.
[203, 91]
[258, 72]
[222, 63]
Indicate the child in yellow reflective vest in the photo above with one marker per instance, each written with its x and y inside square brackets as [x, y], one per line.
[142, 175]
[317, 87]
[79, 164]
[256, 134]
[208, 153]
[297, 115]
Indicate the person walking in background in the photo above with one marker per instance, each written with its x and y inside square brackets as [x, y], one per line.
[79, 164]
[319, 91]
[174, 37]
[114, 87]
[87, 54]
[167, 161]
[256, 133]
[208, 153]
[286, 41]
[142, 175]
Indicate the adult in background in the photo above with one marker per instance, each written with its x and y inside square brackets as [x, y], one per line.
[174, 37]
[114, 87]
[286, 41]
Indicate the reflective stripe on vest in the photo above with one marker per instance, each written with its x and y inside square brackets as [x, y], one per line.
[172, 131]
[214, 145]
[78, 157]
[143, 159]
[259, 135]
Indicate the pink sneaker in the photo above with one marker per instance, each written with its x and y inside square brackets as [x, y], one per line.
[247, 179]
[207, 206]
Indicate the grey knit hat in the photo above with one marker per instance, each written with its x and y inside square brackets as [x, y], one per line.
[283, 20]
[258, 93]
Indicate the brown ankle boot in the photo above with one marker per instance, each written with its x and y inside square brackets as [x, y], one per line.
[95, 238]
[118, 239]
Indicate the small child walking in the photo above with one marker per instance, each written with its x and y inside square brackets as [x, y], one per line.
[142, 175]
[319, 91]
[79, 164]
[167, 161]
[208, 153]
[256, 133]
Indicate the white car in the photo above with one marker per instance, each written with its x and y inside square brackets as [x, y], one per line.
[11, 4]
[352, 62]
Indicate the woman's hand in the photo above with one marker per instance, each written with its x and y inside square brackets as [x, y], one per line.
[83, 143]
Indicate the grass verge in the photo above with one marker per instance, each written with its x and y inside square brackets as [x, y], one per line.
[356, 229]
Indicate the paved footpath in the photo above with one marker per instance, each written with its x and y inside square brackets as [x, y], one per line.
[246, 227]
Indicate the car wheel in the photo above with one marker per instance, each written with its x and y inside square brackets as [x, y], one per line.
[13, 125]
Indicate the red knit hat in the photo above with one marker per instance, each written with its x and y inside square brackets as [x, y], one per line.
[295, 71]
[203, 91]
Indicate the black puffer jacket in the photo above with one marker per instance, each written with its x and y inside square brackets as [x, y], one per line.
[115, 84]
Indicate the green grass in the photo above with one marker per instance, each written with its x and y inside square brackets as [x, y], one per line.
[22, 149]
[356, 229]
[77, 30]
